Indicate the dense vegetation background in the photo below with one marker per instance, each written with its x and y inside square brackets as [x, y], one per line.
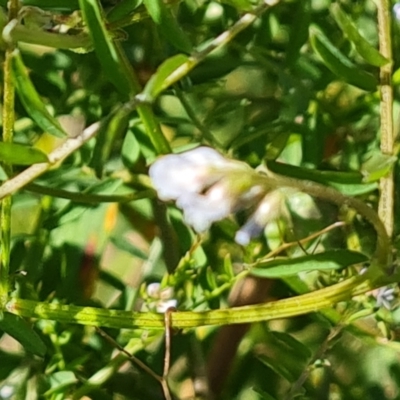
[93, 93]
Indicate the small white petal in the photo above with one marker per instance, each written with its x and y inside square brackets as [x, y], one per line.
[269, 209]
[163, 306]
[176, 174]
[204, 156]
[167, 293]
[201, 210]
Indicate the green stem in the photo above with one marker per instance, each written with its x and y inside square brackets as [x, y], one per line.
[386, 202]
[299, 305]
[8, 134]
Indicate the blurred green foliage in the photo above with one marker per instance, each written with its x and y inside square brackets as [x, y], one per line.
[295, 90]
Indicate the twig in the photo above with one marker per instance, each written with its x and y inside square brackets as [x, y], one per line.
[386, 203]
[320, 353]
[28, 175]
[285, 246]
[167, 355]
[131, 357]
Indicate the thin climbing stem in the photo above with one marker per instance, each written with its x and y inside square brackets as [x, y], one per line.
[386, 209]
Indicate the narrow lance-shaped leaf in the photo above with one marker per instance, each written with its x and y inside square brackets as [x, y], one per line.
[20, 330]
[65, 5]
[289, 357]
[339, 64]
[298, 30]
[104, 46]
[165, 76]
[31, 100]
[369, 53]
[168, 25]
[13, 153]
[349, 183]
[122, 10]
[377, 166]
[329, 260]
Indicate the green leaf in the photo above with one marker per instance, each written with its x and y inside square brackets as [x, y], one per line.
[264, 394]
[298, 30]
[349, 183]
[112, 128]
[13, 153]
[61, 380]
[168, 25]
[21, 331]
[332, 259]
[164, 76]
[122, 10]
[369, 53]
[65, 5]
[105, 48]
[241, 5]
[289, 356]
[31, 100]
[125, 245]
[130, 150]
[339, 64]
[377, 166]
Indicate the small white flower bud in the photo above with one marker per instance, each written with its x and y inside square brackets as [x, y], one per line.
[153, 290]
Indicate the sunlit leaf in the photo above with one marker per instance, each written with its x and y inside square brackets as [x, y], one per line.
[339, 64]
[13, 153]
[369, 53]
[377, 166]
[31, 100]
[329, 260]
[164, 76]
[242, 5]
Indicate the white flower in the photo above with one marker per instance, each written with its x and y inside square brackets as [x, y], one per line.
[176, 174]
[205, 185]
[209, 187]
[161, 298]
